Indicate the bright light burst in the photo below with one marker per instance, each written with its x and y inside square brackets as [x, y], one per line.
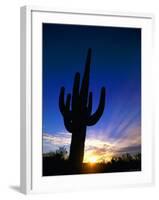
[92, 159]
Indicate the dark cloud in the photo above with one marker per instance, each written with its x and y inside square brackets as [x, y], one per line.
[130, 149]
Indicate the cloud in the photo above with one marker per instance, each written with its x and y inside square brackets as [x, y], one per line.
[130, 149]
[51, 142]
[61, 138]
[97, 143]
[131, 137]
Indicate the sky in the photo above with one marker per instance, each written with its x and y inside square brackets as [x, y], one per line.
[115, 64]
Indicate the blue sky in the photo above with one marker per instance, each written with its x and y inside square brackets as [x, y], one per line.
[115, 64]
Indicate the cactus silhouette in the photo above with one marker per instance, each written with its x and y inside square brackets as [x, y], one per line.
[77, 114]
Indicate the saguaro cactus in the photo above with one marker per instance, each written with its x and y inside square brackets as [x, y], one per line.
[77, 114]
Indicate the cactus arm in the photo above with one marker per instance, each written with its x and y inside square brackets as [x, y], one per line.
[89, 107]
[68, 100]
[68, 112]
[85, 80]
[64, 109]
[75, 92]
[96, 116]
[68, 124]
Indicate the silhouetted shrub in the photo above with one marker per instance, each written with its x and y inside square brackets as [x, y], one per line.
[60, 154]
[57, 163]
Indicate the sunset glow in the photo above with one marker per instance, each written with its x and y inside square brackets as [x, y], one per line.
[92, 159]
[97, 157]
[97, 150]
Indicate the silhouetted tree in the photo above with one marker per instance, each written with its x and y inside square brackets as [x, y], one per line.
[61, 152]
[77, 114]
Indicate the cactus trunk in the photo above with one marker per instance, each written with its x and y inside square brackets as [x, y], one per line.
[77, 147]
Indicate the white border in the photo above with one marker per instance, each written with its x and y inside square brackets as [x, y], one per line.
[31, 101]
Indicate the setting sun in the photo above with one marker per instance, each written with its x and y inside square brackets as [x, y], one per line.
[92, 159]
